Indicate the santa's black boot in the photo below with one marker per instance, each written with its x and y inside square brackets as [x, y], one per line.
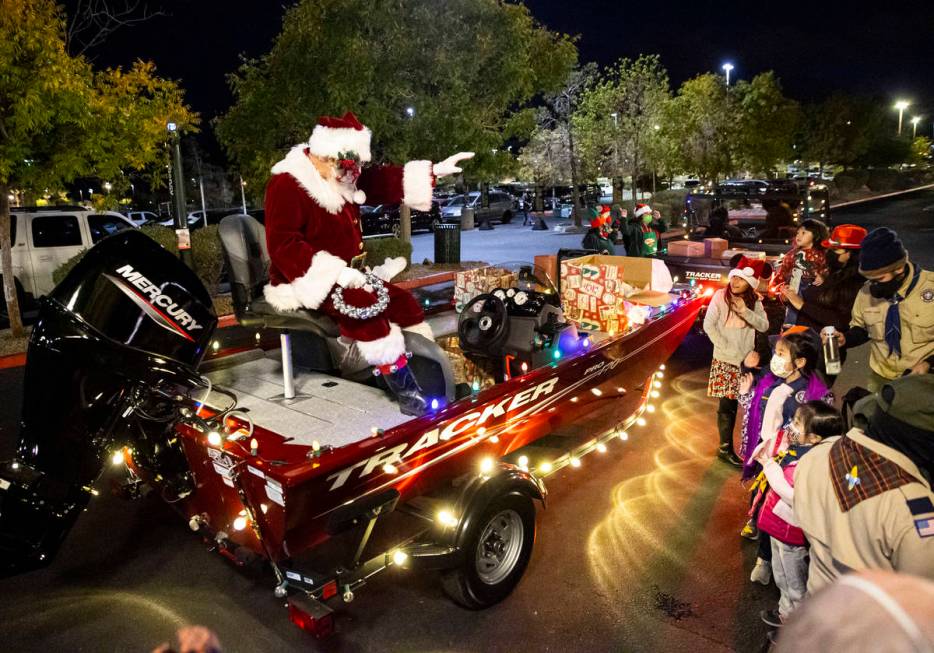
[402, 383]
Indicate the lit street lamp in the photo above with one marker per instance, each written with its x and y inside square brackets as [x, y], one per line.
[901, 105]
[727, 67]
[914, 126]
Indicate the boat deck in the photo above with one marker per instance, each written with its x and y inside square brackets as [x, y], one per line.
[326, 408]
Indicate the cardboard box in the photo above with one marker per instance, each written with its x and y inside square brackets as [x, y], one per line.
[685, 248]
[548, 263]
[596, 288]
[470, 283]
[748, 253]
[713, 247]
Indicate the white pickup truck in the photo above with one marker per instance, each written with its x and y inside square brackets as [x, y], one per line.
[45, 237]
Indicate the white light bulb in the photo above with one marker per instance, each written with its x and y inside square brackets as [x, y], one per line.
[389, 468]
[601, 447]
[239, 523]
[214, 438]
[575, 462]
[486, 465]
[523, 461]
[447, 518]
[118, 458]
[624, 435]
[650, 408]
[641, 421]
[399, 557]
[545, 468]
[656, 394]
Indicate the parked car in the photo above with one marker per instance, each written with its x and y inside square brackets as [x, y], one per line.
[43, 238]
[501, 208]
[139, 218]
[384, 219]
[747, 185]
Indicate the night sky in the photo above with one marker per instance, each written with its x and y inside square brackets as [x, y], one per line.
[884, 50]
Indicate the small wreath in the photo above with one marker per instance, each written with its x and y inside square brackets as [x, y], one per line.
[363, 312]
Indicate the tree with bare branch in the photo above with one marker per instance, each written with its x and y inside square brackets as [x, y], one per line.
[93, 21]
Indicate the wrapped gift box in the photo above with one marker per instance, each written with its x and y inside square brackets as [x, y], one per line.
[470, 283]
[595, 289]
[748, 253]
[685, 248]
[714, 247]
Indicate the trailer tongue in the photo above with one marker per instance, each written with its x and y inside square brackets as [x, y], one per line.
[333, 485]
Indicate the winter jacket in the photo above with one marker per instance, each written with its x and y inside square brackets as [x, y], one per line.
[594, 239]
[777, 514]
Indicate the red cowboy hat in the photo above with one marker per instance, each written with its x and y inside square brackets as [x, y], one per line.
[845, 236]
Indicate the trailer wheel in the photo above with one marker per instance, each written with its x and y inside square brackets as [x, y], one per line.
[496, 552]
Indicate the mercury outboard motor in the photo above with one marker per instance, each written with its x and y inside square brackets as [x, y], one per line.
[117, 341]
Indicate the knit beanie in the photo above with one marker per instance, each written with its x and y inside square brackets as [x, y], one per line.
[881, 252]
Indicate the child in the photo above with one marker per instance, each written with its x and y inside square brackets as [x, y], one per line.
[803, 263]
[597, 237]
[771, 404]
[733, 317]
[813, 421]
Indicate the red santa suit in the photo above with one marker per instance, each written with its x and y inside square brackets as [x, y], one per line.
[313, 232]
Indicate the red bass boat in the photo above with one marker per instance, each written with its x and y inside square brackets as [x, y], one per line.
[307, 464]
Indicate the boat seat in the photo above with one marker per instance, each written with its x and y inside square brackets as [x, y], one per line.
[243, 241]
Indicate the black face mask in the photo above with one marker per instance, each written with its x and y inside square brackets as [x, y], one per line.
[833, 261]
[886, 289]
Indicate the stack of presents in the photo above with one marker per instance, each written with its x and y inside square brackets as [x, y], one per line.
[708, 248]
[598, 293]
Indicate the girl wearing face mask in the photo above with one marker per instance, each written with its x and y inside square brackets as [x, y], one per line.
[771, 403]
[829, 300]
[649, 235]
[802, 265]
[812, 422]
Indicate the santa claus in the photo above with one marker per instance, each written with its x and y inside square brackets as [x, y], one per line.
[316, 247]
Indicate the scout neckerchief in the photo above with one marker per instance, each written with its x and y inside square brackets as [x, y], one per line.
[859, 473]
[893, 320]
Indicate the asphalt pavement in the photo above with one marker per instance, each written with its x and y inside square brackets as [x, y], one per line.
[638, 550]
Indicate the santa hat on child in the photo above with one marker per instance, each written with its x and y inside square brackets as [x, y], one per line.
[333, 137]
[642, 209]
[750, 270]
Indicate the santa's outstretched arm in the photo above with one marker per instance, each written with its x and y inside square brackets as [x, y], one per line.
[411, 184]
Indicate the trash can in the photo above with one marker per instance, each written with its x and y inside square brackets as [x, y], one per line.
[467, 218]
[447, 243]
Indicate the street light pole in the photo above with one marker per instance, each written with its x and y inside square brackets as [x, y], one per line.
[243, 194]
[181, 215]
[901, 105]
[914, 127]
[727, 67]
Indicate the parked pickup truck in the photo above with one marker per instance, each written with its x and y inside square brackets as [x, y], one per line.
[45, 237]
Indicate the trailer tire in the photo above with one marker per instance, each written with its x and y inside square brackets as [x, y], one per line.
[475, 586]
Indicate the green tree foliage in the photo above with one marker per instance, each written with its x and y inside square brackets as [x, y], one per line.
[840, 130]
[467, 68]
[765, 126]
[620, 117]
[60, 119]
[920, 150]
[700, 121]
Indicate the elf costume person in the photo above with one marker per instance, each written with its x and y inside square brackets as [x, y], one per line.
[316, 247]
[598, 236]
[649, 235]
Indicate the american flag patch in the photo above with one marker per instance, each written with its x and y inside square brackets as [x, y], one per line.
[925, 527]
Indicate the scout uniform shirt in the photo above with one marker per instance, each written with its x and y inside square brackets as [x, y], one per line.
[917, 317]
[863, 505]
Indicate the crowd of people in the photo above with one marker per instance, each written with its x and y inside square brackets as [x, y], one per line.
[836, 487]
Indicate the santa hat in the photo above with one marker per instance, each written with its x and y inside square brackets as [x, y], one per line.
[749, 269]
[333, 136]
[642, 209]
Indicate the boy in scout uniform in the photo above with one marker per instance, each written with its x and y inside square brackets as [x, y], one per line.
[864, 500]
[894, 311]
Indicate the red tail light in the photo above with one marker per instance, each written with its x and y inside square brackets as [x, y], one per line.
[311, 616]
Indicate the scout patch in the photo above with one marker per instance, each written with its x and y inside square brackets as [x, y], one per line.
[928, 295]
[925, 527]
[859, 473]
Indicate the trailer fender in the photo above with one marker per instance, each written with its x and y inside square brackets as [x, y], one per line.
[475, 495]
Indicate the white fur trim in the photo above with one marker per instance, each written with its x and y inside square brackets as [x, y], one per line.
[746, 274]
[359, 197]
[643, 210]
[330, 141]
[385, 350]
[312, 288]
[422, 329]
[297, 164]
[416, 185]
[281, 297]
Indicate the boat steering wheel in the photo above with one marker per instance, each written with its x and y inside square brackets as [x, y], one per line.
[484, 324]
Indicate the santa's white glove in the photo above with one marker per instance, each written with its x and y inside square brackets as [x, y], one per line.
[390, 268]
[351, 278]
[449, 165]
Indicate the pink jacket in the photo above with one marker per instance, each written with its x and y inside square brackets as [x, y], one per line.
[776, 517]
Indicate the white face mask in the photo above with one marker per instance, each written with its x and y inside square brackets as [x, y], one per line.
[794, 433]
[780, 366]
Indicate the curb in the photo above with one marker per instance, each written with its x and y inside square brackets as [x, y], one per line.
[880, 197]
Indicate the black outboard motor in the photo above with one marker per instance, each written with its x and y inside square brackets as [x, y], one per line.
[126, 328]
